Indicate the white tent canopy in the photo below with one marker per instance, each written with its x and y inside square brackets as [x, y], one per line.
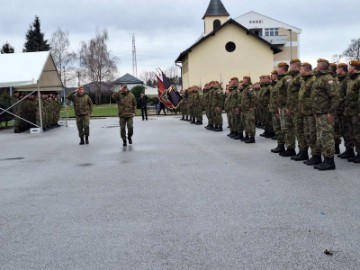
[29, 71]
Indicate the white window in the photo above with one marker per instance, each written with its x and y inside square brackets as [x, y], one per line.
[271, 32]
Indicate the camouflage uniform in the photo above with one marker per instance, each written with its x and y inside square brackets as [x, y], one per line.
[287, 125]
[248, 106]
[205, 102]
[324, 101]
[127, 108]
[273, 109]
[83, 108]
[305, 109]
[264, 101]
[352, 110]
[217, 106]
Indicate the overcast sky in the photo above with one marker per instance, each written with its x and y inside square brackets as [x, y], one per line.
[164, 28]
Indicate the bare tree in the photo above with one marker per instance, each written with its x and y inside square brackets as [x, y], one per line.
[97, 60]
[62, 57]
[173, 73]
[353, 51]
[148, 77]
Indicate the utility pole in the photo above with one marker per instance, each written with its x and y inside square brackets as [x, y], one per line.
[134, 63]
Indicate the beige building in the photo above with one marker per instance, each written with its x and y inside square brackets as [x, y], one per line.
[282, 35]
[227, 49]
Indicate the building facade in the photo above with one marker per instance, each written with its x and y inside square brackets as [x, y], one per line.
[225, 49]
[250, 45]
[282, 35]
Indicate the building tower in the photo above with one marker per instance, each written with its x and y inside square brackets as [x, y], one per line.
[215, 15]
[134, 63]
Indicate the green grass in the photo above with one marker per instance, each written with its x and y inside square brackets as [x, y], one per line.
[104, 110]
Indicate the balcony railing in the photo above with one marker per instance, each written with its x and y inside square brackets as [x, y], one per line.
[276, 40]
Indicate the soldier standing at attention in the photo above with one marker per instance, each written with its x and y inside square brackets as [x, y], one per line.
[127, 108]
[83, 108]
[305, 109]
[217, 105]
[248, 106]
[352, 105]
[345, 121]
[324, 104]
[286, 115]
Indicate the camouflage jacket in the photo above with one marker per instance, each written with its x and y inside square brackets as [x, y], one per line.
[342, 88]
[248, 99]
[324, 96]
[352, 101]
[126, 103]
[82, 104]
[235, 93]
[227, 106]
[282, 86]
[305, 104]
[217, 98]
[273, 106]
[205, 98]
[264, 96]
[293, 92]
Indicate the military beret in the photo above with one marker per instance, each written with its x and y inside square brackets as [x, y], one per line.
[247, 78]
[354, 63]
[342, 65]
[296, 60]
[274, 72]
[234, 79]
[332, 64]
[306, 64]
[266, 77]
[282, 64]
[322, 60]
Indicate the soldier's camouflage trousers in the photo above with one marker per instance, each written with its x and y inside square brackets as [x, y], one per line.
[83, 125]
[299, 129]
[288, 129]
[337, 129]
[210, 115]
[130, 126]
[218, 120]
[277, 129]
[325, 135]
[238, 122]
[355, 122]
[346, 131]
[249, 123]
[230, 121]
[199, 114]
[310, 134]
[266, 120]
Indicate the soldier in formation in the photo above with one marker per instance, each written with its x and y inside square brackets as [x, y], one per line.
[28, 109]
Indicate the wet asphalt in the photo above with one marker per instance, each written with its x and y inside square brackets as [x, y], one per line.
[179, 197]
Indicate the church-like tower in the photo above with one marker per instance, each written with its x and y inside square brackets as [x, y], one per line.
[215, 15]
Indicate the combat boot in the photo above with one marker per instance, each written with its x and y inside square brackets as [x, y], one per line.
[124, 142]
[337, 148]
[187, 118]
[279, 149]
[288, 153]
[218, 128]
[314, 160]
[231, 134]
[239, 136]
[250, 140]
[264, 134]
[182, 119]
[328, 164]
[81, 140]
[349, 153]
[87, 139]
[357, 158]
[302, 155]
[244, 138]
[198, 122]
[130, 140]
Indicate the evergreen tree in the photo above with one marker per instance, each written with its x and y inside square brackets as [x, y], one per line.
[35, 39]
[7, 48]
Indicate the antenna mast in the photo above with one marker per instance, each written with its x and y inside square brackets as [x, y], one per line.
[134, 63]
